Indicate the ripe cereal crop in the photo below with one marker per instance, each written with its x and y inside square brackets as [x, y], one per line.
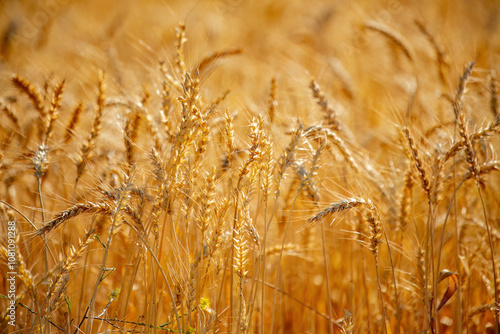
[230, 166]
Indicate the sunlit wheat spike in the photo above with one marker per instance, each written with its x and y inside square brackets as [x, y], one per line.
[416, 157]
[72, 212]
[462, 86]
[32, 92]
[338, 207]
[55, 105]
[71, 125]
[331, 114]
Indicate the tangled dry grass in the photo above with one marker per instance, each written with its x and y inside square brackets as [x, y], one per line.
[262, 167]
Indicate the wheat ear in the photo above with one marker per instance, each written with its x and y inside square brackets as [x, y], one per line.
[71, 125]
[330, 113]
[94, 132]
[55, 105]
[273, 102]
[391, 35]
[33, 93]
[11, 114]
[71, 213]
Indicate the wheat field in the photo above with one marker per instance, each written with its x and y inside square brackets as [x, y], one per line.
[231, 166]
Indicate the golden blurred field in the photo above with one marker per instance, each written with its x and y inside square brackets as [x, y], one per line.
[232, 166]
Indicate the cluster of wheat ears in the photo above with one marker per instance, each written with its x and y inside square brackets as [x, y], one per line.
[182, 215]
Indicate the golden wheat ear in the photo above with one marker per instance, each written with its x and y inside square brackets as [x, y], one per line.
[53, 113]
[73, 212]
[25, 86]
[338, 207]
